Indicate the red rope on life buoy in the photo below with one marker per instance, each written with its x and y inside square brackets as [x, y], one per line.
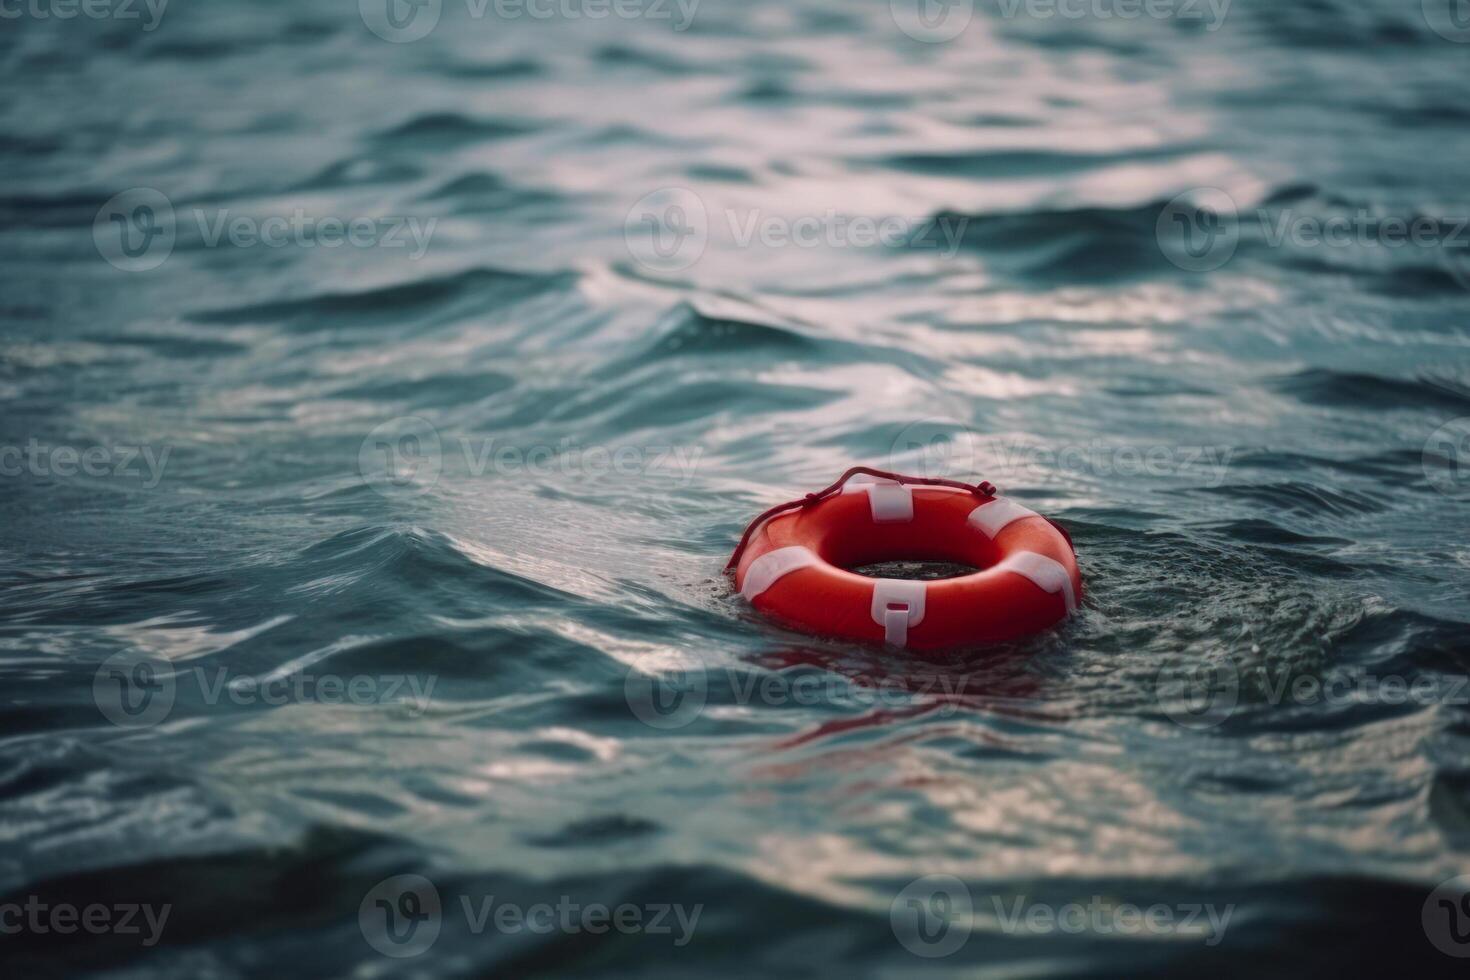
[982, 489]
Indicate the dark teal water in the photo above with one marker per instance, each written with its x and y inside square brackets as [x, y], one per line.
[326, 562]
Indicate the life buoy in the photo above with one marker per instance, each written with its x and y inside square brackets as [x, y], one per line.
[793, 562]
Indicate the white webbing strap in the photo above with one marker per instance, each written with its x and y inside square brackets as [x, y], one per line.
[891, 502]
[993, 516]
[768, 568]
[897, 605]
[1043, 572]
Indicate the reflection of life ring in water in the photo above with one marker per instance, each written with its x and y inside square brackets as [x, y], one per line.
[792, 563]
[891, 690]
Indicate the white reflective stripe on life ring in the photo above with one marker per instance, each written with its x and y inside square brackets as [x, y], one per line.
[891, 502]
[770, 567]
[1043, 572]
[994, 516]
[897, 605]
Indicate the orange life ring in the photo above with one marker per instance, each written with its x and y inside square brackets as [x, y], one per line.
[792, 563]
